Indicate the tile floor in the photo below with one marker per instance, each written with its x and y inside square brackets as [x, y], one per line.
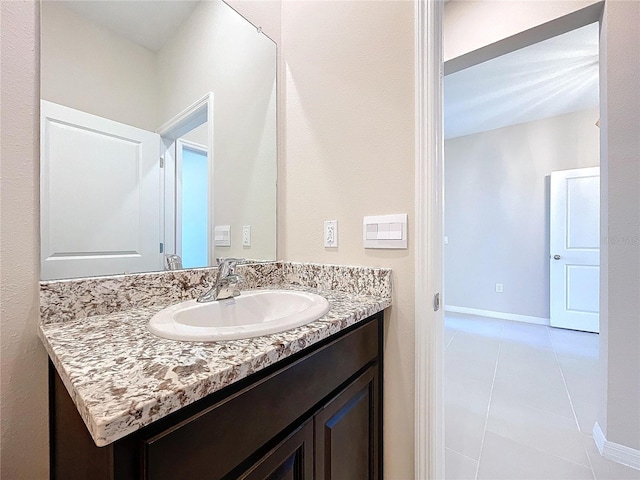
[520, 402]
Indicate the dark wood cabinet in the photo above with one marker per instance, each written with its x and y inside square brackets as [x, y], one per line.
[346, 440]
[290, 460]
[316, 414]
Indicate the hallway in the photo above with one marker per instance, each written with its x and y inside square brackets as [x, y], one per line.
[521, 401]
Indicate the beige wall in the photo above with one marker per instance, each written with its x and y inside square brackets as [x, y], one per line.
[88, 67]
[497, 209]
[620, 229]
[350, 152]
[24, 450]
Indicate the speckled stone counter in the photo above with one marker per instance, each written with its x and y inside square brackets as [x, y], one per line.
[122, 377]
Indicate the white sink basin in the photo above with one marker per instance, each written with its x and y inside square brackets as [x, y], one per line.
[253, 313]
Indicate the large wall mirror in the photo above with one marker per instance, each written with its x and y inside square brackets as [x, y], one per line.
[158, 137]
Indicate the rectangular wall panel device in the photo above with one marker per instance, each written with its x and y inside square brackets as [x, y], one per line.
[385, 231]
[222, 236]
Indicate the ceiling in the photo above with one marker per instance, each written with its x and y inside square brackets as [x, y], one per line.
[148, 23]
[550, 78]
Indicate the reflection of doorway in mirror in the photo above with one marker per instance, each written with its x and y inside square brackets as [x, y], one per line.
[192, 203]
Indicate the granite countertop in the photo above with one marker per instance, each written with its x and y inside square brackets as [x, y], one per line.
[122, 377]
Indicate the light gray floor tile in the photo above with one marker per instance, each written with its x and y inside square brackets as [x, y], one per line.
[464, 430]
[470, 357]
[530, 376]
[551, 433]
[480, 326]
[605, 469]
[571, 342]
[458, 467]
[504, 459]
[536, 336]
[550, 395]
[467, 393]
[528, 361]
[582, 379]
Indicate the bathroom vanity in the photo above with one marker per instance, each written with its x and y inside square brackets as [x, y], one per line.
[305, 403]
[319, 407]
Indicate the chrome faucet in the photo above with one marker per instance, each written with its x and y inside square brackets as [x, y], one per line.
[227, 281]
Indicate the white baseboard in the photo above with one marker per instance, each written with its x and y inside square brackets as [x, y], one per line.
[614, 451]
[501, 315]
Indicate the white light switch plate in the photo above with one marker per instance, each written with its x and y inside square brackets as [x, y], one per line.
[385, 231]
[331, 233]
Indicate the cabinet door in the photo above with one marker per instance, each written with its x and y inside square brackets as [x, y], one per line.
[346, 432]
[290, 460]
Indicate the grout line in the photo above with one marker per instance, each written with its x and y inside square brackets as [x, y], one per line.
[545, 452]
[486, 419]
[573, 410]
[564, 382]
[461, 454]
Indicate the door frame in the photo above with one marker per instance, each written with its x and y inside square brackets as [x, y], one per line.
[429, 216]
[194, 115]
[429, 211]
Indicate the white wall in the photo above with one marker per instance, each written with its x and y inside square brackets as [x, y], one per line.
[23, 393]
[620, 283]
[88, 67]
[349, 150]
[497, 209]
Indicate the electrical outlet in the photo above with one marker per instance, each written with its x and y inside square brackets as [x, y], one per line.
[331, 233]
[246, 236]
[499, 288]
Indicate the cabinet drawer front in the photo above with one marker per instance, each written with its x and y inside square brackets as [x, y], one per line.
[217, 440]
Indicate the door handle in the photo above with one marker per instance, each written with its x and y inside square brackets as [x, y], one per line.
[556, 257]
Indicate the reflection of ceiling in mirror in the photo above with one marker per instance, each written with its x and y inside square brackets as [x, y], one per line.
[148, 23]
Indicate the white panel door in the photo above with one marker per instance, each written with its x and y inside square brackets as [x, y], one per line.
[575, 249]
[99, 195]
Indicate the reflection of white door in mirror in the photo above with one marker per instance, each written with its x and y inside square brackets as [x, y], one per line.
[100, 185]
[192, 199]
